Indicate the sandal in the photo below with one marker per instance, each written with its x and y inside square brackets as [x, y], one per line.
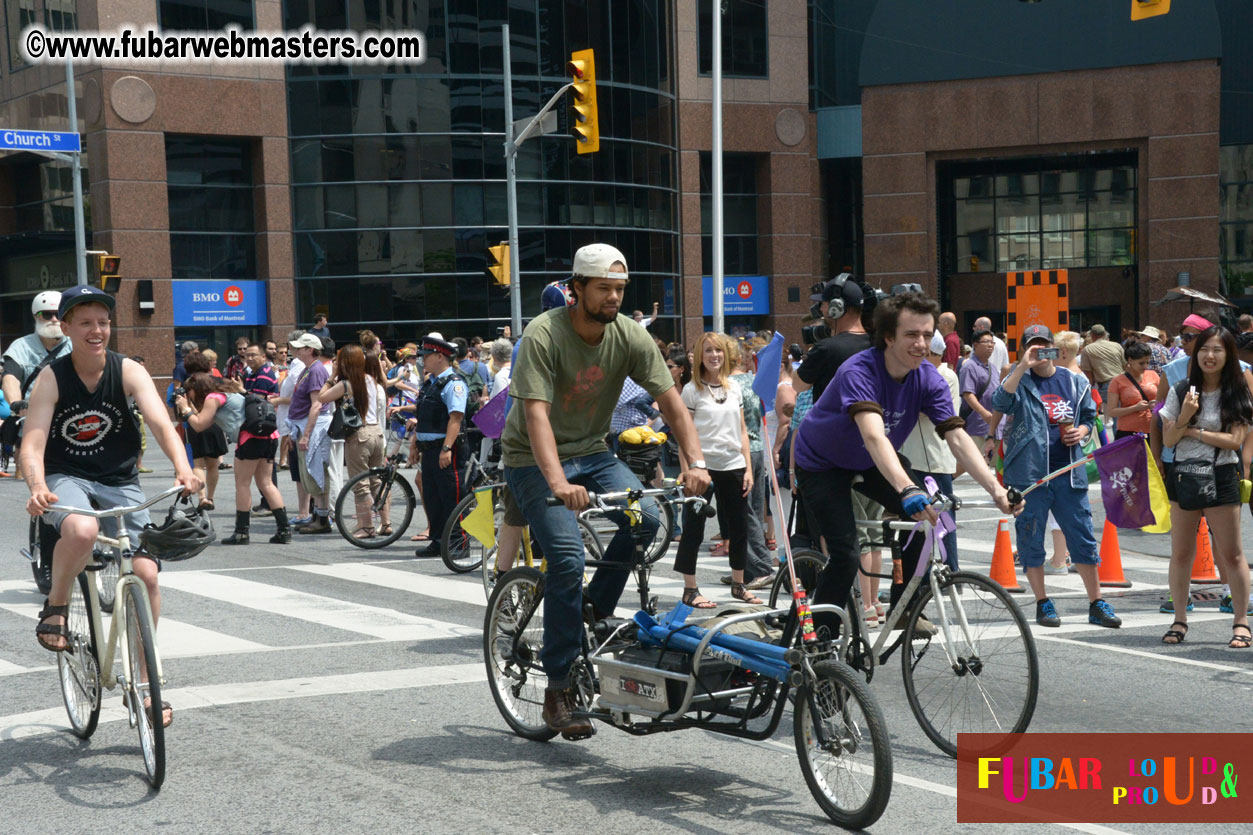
[871, 614]
[772, 544]
[205, 505]
[1174, 636]
[689, 599]
[420, 537]
[722, 549]
[741, 593]
[363, 533]
[1240, 641]
[386, 530]
[61, 630]
[148, 707]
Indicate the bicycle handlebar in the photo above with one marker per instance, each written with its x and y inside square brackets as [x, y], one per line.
[117, 511]
[605, 501]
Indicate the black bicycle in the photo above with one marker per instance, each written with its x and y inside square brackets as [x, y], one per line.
[392, 501]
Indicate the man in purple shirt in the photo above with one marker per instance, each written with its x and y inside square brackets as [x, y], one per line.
[309, 429]
[852, 434]
[978, 381]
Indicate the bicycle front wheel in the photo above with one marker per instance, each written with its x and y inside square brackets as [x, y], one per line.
[40, 565]
[461, 552]
[513, 634]
[843, 746]
[392, 502]
[143, 684]
[665, 532]
[990, 683]
[78, 667]
[808, 565]
[106, 577]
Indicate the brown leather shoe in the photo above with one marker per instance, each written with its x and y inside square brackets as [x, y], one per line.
[558, 707]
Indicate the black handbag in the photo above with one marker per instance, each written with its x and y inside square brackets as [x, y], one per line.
[1195, 485]
[346, 420]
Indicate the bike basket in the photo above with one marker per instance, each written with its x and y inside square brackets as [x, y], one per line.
[641, 459]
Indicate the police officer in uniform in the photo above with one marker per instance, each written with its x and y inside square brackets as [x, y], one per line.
[441, 406]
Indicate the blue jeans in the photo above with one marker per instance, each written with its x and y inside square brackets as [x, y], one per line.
[557, 531]
[1073, 514]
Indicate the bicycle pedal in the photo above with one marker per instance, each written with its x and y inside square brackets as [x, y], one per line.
[570, 736]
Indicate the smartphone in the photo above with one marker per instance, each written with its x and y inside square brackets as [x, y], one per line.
[1048, 353]
[1192, 390]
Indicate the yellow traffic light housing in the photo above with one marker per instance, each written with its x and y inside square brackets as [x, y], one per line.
[1140, 9]
[109, 268]
[586, 127]
[500, 269]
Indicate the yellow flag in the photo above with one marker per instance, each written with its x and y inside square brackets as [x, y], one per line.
[1158, 502]
[480, 523]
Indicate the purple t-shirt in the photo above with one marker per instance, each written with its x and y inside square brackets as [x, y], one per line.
[307, 388]
[829, 438]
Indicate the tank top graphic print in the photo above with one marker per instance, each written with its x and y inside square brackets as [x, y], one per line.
[94, 434]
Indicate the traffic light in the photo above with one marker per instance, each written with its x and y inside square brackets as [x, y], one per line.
[109, 268]
[500, 269]
[1140, 9]
[582, 68]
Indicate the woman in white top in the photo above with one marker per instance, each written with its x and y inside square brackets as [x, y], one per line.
[361, 376]
[715, 403]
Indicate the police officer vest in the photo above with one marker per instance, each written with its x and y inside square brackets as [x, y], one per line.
[94, 434]
[432, 413]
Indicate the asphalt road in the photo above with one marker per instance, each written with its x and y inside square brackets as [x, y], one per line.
[321, 688]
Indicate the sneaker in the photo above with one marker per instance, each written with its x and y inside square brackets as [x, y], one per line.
[871, 614]
[262, 510]
[1227, 607]
[558, 715]
[1168, 608]
[1046, 613]
[762, 582]
[923, 628]
[1055, 570]
[1102, 614]
[301, 520]
[725, 579]
[320, 524]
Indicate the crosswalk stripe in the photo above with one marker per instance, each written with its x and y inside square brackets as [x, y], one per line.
[8, 668]
[444, 588]
[387, 624]
[177, 639]
[53, 720]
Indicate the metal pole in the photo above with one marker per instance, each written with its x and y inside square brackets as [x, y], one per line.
[80, 232]
[718, 277]
[511, 191]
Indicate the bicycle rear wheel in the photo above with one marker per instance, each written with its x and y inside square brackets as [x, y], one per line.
[843, 746]
[143, 683]
[992, 685]
[79, 670]
[513, 668]
[808, 564]
[392, 498]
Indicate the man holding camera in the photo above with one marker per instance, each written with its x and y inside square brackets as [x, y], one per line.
[845, 298]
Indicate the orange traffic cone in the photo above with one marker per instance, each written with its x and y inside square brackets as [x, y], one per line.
[1203, 570]
[1002, 570]
[1111, 559]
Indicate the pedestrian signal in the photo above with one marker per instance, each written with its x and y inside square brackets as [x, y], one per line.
[582, 69]
[499, 269]
[109, 268]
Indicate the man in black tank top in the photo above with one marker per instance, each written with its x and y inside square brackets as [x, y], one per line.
[81, 442]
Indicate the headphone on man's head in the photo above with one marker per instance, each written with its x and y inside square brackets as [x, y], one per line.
[841, 293]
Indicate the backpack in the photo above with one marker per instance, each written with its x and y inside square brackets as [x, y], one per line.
[474, 391]
[260, 417]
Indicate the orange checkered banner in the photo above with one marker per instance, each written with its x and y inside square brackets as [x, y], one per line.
[1035, 297]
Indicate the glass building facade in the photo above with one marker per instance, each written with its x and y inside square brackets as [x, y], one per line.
[398, 175]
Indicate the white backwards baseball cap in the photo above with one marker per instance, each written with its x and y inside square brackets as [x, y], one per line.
[596, 260]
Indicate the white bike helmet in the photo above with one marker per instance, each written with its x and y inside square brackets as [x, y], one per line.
[47, 300]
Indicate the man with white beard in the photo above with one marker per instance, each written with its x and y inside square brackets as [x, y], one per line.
[27, 356]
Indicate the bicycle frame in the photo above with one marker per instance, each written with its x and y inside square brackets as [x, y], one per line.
[933, 570]
[117, 629]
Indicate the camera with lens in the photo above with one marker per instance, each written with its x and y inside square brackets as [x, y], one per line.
[179, 391]
[813, 334]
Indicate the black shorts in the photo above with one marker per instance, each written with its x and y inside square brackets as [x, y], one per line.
[257, 449]
[1226, 480]
[210, 443]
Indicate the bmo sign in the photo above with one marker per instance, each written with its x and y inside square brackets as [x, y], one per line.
[219, 303]
[742, 295]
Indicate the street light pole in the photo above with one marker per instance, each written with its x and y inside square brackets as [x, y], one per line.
[511, 195]
[76, 166]
[718, 269]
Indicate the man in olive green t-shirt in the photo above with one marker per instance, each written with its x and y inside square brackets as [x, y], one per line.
[1102, 360]
[570, 368]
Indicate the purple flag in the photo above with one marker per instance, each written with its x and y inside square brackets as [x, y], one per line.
[1124, 469]
[491, 418]
[766, 383]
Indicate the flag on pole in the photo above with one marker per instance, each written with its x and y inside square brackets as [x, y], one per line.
[766, 383]
[480, 523]
[491, 418]
[1125, 483]
[1157, 497]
